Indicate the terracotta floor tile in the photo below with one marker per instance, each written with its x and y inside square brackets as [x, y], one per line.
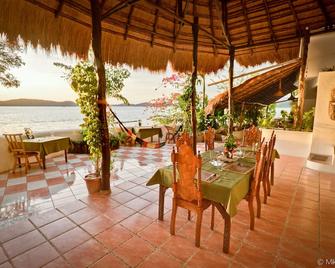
[97, 225]
[161, 259]
[23, 243]
[123, 197]
[36, 257]
[83, 215]
[15, 230]
[45, 218]
[180, 247]
[297, 254]
[215, 244]
[3, 256]
[16, 188]
[204, 258]
[156, 234]
[152, 196]
[136, 222]
[263, 241]
[119, 213]
[57, 227]
[70, 239]
[6, 265]
[127, 185]
[57, 263]
[301, 237]
[55, 181]
[134, 251]
[39, 193]
[139, 190]
[114, 236]
[249, 256]
[71, 207]
[110, 261]
[150, 211]
[137, 204]
[85, 254]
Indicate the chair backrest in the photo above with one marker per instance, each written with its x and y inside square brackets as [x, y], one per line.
[15, 142]
[188, 184]
[184, 138]
[209, 137]
[259, 168]
[251, 136]
[269, 155]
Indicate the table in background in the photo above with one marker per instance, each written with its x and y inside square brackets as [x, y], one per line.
[47, 145]
[225, 192]
[144, 133]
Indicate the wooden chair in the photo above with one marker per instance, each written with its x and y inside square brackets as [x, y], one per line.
[255, 184]
[16, 146]
[186, 189]
[170, 134]
[251, 136]
[269, 163]
[209, 137]
[183, 138]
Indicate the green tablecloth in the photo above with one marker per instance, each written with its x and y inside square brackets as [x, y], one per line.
[144, 133]
[228, 189]
[47, 145]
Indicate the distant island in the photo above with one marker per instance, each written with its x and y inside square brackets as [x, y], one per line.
[37, 102]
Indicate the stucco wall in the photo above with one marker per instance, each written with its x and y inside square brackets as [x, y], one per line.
[324, 128]
[7, 159]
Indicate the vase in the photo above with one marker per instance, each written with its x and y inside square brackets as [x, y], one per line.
[229, 153]
[93, 183]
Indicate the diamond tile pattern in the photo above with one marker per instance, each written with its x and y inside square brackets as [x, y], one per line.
[49, 220]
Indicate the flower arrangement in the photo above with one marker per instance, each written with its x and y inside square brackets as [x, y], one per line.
[229, 146]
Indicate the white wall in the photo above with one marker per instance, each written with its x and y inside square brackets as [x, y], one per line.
[7, 159]
[324, 128]
[294, 143]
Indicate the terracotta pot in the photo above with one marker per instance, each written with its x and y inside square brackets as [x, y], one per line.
[93, 183]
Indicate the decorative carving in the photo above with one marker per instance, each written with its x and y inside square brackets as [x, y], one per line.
[332, 105]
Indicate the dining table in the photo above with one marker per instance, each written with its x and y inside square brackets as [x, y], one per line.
[230, 186]
[47, 145]
[150, 132]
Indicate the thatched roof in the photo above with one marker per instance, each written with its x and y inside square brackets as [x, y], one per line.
[150, 33]
[261, 89]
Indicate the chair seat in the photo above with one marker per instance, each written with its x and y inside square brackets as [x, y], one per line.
[28, 153]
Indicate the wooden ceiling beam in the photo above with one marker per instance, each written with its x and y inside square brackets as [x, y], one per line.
[154, 28]
[182, 20]
[210, 7]
[182, 15]
[128, 22]
[223, 18]
[59, 8]
[294, 13]
[245, 15]
[273, 36]
[118, 7]
[328, 19]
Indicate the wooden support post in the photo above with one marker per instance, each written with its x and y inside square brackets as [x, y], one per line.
[96, 45]
[195, 31]
[301, 87]
[230, 88]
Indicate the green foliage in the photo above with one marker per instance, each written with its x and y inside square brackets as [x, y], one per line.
[9, 58]
[284, 118]
[83, 80]
[308, 120]
[266, 117]
[230, 142]
[114, 142]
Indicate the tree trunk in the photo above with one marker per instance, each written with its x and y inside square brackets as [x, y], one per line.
[96, 44]
[195, 31]
[230, 88]
[301, 88]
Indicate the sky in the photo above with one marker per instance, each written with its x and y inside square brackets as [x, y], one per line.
[40, 79]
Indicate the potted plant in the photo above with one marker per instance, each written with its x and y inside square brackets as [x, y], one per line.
[229, 146]
[114, 142]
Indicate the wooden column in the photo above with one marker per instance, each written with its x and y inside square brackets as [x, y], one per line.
[96, 45]
[230, 87]
[195, 31]
[301, 87]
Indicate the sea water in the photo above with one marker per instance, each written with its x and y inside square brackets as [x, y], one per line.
[14, 119]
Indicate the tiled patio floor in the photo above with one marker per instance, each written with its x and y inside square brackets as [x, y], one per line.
[53, 221]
